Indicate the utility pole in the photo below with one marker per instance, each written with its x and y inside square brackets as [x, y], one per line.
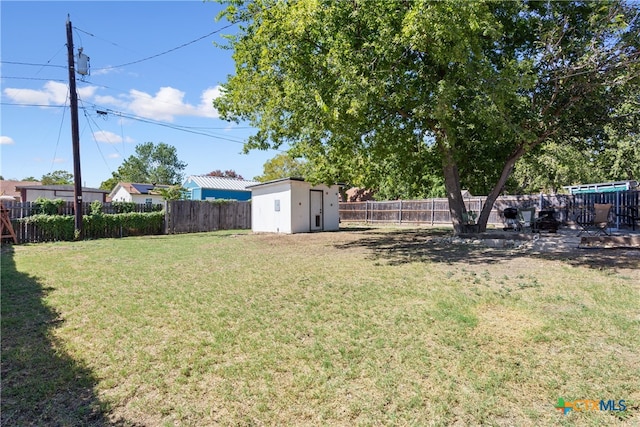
[75, 134]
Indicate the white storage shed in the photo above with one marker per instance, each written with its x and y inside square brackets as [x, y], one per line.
[292, 205]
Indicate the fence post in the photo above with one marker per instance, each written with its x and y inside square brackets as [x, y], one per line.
[400, 213]
[366, 212]
[433, 206]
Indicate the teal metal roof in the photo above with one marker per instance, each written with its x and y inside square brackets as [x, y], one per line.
[605, 187]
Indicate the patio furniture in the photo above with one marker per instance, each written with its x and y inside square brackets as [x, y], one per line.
[526, 217]
[597, 222]
[630, 216]
[511, 219]
[518, 219]
[7, 228]
[546, 221]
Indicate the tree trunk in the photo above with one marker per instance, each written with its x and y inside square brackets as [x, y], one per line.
[497, 189]
[454, 194]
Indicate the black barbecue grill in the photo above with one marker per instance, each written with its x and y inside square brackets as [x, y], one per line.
[511, 219]
[546, 221]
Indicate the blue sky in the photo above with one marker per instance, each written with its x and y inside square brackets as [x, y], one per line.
[166, 98]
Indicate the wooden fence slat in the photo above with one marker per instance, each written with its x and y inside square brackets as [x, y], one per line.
[189, 216]
[436, 211]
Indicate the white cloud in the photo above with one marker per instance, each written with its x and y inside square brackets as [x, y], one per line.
[114, 156]
[59, 160]
[165, 105]
[6, 140]
[52, 93]
[109, 137]
[168, 103]
[86, 92]
[206, 102]
[110, 100]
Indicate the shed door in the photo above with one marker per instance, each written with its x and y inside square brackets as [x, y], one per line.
[316, 210]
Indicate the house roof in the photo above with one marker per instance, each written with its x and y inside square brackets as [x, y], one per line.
[220, 183]
[8, 187]
[602, 187]
[137, 188]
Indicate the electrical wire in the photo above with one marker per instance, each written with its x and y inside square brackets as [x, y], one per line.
[170, 126]
[55, 151]
[33, 105]
[32, 64]
[34, 78]
[166, 51]
[93, 134]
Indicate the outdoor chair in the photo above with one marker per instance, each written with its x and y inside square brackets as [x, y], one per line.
[526, 218]
[597, 222]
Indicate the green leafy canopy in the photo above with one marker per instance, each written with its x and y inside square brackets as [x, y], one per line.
[423, 92]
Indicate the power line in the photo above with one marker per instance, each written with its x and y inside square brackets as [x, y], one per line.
[166, 51]
[55, 151]
[33, 78]
[33, 105]
[170, 126]
[95, 140]
[32, 64]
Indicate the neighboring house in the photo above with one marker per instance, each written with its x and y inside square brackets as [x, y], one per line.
[8, 190]
[137, 193]
[30, 193]
[603, 187]
[356, 194]
[292, 205]
[204, 187]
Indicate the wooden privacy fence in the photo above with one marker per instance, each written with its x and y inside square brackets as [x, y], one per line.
[193, 216]
[436, 211]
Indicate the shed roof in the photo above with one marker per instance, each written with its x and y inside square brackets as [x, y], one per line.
[293, 178]
[220, 183]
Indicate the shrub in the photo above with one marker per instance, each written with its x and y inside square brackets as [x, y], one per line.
[96, 207]
[48, 206]
[97, 225]
[123, 207]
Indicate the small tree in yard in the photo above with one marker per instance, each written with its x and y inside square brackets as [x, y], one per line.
[364, 86]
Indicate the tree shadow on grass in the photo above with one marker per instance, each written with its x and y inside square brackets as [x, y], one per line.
[405, 246]
[41, 384]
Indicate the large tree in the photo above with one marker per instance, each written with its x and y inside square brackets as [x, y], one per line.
[357, 86]
[59, 177]
[284, 165]
[157, 164]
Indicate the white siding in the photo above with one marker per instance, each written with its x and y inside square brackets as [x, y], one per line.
[122, 195]
[264, 217]
[142, 198]
[294, 215]
[330, 208]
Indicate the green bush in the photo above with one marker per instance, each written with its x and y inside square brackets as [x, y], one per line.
[96, 207]
[48, 206]
[95, 226]
[123, 207]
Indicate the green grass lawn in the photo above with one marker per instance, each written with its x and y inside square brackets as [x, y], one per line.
[358, 327]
